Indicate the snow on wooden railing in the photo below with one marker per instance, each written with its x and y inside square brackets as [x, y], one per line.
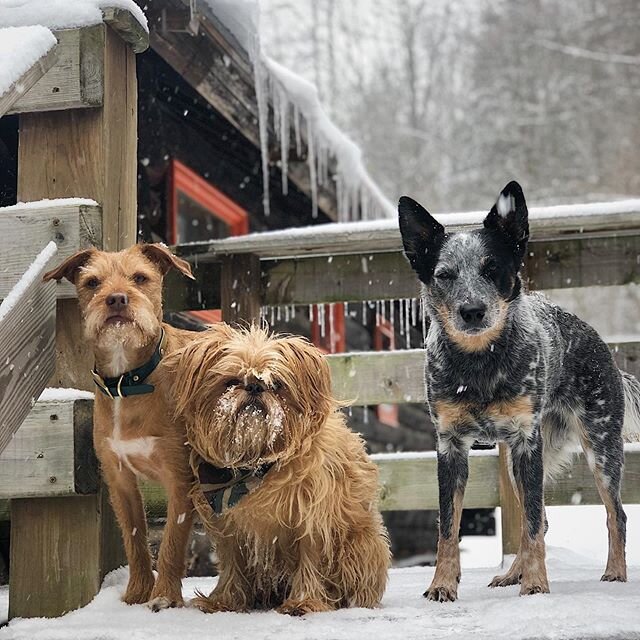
[27, 340]
[27, 53]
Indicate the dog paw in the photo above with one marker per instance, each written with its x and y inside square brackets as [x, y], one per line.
[302, 607]
[209, 605]
[611, 576]
[533, 588]
[137, 594]
[441, 593]
[164, 602]
[506, 580]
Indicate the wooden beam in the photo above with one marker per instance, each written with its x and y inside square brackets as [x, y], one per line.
[604, 219]
[240, 289]
[18, 89]
[77, 78]
[374, 377]
[27, 325]
[510, 509]
[127, 27]
[52, 453]
[89, 153]
[72, 226]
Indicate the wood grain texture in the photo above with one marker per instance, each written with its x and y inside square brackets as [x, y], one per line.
[75, 80]
[127, 27]
[384, 235]
[60, 553]
[240, 289]
[19, 88]
[510, 510]
[373, 377]
[27, 347]
[72, 227]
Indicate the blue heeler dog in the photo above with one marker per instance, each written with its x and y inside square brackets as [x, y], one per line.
[505, 365]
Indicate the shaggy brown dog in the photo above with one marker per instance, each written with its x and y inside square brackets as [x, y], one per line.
[135, 431]
[286, 490]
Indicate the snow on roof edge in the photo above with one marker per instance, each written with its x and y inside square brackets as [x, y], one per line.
[48, 203]
[64, 14]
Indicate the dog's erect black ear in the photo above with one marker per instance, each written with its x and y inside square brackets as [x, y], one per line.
[509, 214]
[422, 237]
[160, 255]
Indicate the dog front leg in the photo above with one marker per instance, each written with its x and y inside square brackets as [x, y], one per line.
[167, 591]
[308, 593]
[526, 455]
[453, 471]
[126, 500]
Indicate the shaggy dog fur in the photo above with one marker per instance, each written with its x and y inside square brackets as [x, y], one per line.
[504, 365]
[120, 296]
[308, 536]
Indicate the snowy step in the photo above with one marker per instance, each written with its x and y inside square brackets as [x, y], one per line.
[27, 53]
[77, 77]
[27, 342]
[71, 223]
[52, 454]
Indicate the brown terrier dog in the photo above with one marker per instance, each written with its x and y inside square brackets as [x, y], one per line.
[285, 489]
[135, 429]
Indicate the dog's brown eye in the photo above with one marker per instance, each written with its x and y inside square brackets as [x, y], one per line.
[234, 382]
[445, 274]
[92, 283]
[139, 278]
[277, 385]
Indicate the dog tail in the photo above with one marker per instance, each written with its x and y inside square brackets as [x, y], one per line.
[631, 427]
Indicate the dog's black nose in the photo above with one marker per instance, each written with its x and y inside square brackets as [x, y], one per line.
[473, 313]
[254, 388]
[117, 301]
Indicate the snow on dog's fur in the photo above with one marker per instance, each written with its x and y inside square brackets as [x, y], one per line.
[505, 365]
[309, 537]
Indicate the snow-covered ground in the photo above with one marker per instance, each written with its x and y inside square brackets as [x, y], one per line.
[579, 606]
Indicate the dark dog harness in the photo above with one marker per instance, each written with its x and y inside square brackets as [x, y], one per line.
[223, 488]
[132, 383]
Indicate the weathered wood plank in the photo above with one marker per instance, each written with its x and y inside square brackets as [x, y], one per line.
[573, 261]
[51, 454]
[127, 27]
[373, 377]
[510, 509]
[27, 326]
[410, 482]
[77, 78]
[27, 80]
[71, 226]
[546, 223]
[240, 289]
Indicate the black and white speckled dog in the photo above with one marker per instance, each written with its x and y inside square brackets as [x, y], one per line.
[504, 365]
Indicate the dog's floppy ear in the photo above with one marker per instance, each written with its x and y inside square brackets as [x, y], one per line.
[422, 237]
[69, 268]
[165, 260]
[510, 216]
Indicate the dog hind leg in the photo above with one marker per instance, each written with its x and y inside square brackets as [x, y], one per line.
[605, 456]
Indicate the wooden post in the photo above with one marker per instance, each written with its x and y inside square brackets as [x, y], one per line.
[241, 288]
[511, 512]
[61, 548]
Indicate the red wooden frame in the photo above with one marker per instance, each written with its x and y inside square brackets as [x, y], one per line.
[181, 178]
[383, 332]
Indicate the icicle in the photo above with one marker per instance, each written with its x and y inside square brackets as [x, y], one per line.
[284, 142]
[321, 311]
[273, 311]
[261, 84]
[311, 313]
[414, 312]
[407, 320]
[392, 311]
[293, 311]
[377, 313]
[278, 313]
[286, 313]
[365, 414]
[313, 179]
[364, 313]
[384, 312]
[296, 128]
[400, 318]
